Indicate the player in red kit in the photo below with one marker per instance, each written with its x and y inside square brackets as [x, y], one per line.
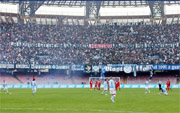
[99, 84]
[168, 85]
[96, 83]
[116, 85]
[119, 84]
[91, 83]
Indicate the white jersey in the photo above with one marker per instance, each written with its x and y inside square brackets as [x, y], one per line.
[146, 84]
[5, 85]
[105, 85]
[33, 84]
[111, 84]
[112, 87]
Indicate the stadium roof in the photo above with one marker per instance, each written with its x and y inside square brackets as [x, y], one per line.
[92, 8]
[72, 3]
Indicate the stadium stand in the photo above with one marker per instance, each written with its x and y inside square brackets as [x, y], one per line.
[16, 38]
[36, 40]
[51, 78]
[80, 80]
[45, 79]
[142, 79]
[9, 78]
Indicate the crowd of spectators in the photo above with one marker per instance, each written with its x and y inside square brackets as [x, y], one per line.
[100, 34]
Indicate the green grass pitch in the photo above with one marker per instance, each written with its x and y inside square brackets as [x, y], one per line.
[87, 101]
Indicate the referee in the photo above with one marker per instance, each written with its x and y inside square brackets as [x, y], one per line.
[159, 83]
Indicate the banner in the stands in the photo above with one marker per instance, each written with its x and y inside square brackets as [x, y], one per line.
[100, 46]
[7, 66]
[127, 68]
[166, 67]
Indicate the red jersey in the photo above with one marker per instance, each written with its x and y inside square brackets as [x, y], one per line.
[99, 83]
[96, 83]
[168, 83]
[116, 84]
[91, 82]
[108, 83]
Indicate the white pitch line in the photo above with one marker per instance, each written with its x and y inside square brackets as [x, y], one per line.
[109, 111]
[140, 93]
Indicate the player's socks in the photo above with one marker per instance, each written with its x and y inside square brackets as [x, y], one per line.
[112, 98]
[33, 92]
[147, 90]
[102, 92]
[105, 92]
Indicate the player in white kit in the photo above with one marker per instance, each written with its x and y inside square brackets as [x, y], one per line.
[5, 87]
[105, 87]
[147, 86]
[33, 86]
[112, 89]
[163, 90]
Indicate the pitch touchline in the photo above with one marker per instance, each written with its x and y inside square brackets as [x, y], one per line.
[71, 109]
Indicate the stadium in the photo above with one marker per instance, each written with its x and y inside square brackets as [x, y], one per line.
[68, 56]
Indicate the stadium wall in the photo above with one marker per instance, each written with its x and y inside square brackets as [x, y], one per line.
[87, 86]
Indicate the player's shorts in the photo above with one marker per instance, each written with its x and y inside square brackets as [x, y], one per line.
[105, 88]
[34, 89]
[112, 91]
[168, 86]
[5, 88]
[146, 87]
